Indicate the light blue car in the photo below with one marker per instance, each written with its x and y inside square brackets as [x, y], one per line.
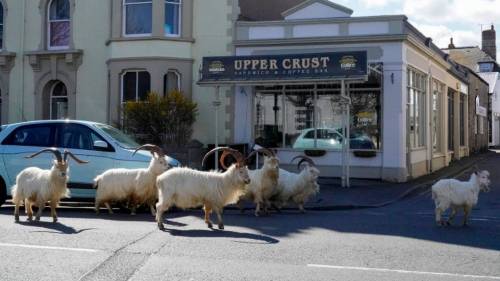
[104, 146]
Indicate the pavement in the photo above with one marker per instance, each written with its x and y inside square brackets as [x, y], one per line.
[375, 193]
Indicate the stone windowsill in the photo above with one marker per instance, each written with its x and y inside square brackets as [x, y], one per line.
[150, 38]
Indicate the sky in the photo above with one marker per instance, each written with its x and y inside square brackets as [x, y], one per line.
[438, 19]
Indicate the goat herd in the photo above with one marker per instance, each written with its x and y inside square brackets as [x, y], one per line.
[182, 187]
[188, 188]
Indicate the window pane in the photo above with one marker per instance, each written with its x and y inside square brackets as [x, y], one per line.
[77, 137]
[144, 85]
[365, 120]
[172, 17]
[268, 119]
[59, 10]
[129, 86]
[139, 17]
[171, 82]
[59, 33]
[59, 90]
[59, 108]
[31, 136]
[300, 120]
[1, 13]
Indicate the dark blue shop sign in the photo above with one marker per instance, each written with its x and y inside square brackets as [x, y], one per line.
[319, 66]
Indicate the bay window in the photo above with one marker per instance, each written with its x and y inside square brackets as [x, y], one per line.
[172, 17]
[138, 16]
[135, 86]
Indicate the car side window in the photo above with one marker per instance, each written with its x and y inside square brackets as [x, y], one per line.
[33, 135]
[76, 136]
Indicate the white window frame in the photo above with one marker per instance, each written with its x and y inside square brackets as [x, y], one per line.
[52, 97]
[49, 22]
[124, 21]
[180, 19]
[178, 74]
[422, 114]
[481, 125]
[122, 78]
[439, 92]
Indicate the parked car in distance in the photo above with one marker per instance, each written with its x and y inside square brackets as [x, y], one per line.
[331, 139]
[104, 146]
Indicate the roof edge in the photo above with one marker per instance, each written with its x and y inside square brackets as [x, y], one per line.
[310, 2]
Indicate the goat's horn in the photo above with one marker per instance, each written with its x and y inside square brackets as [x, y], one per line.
[54, 150]
[265, 151]
[304, 159]
[222, 160]
[235, 153]
[151, 148]
[79, 161]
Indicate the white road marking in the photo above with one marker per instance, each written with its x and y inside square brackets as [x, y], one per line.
[47, 247]
[405, 271]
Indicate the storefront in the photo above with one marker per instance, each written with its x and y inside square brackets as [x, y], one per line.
[398, 114]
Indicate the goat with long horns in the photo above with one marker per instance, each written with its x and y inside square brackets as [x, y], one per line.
[189, 188]
[36, 186]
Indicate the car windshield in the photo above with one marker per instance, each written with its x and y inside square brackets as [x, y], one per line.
[121, 138]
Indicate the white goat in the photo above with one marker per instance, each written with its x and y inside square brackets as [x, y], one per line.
[188, 188]
[263, 182]
[297, 188]
[458, 194]
[137, 186]
[35, 186]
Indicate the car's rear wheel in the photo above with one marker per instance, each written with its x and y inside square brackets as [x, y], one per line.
[3, 192]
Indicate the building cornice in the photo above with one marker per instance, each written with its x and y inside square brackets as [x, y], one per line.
[321, 21]
[322, 40]
[155, 58]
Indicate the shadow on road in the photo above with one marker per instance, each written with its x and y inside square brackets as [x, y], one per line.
[57, 228]
[213, 233]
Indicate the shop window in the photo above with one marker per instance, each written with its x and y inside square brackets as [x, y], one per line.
[462, 120]
[451, 117]
[310, 116]
[1, 25]
[171, 82]
[135, 86]
[58, 101]
[417, 87]
[172, 17]
[437, 94]
[59, 24]
[138, 16]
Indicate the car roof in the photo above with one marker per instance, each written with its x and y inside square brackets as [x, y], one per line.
[68, 121]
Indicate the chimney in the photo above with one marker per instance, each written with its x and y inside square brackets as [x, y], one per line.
[489, 42]
[451, 45]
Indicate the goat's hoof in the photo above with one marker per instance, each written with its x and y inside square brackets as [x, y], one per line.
[210, 225]
[257, 214]
[37, 219]
[221, 226]
[161, 226]
[29, 219]
[54, 220]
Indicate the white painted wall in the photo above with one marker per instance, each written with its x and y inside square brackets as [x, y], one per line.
[316, 30]
[368, 28]
[266, 32]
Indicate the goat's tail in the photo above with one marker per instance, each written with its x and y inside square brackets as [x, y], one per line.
[96, 181]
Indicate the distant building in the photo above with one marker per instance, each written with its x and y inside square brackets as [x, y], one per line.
[483, 61]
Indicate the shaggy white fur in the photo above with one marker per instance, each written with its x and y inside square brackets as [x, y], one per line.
[35, 186]
[458, 194]
[136, 186]
[188, 188]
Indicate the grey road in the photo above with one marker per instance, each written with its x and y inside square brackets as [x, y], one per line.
[398, 242]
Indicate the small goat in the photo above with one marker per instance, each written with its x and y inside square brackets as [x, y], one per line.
[458, 194]
[188, 188]
[35, 186]
[137, 186]
[297, 188]
[263, 182]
